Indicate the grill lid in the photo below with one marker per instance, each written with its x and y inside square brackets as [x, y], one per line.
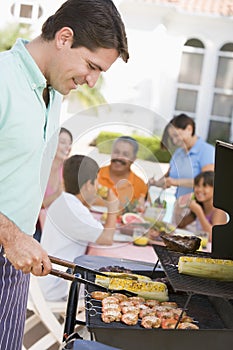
[222, 237]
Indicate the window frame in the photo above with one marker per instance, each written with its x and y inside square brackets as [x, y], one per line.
[17, 9]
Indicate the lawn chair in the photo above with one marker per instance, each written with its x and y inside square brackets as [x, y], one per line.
[46, 313]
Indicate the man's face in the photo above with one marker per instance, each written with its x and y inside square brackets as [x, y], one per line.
[77, 66]
[122, 156]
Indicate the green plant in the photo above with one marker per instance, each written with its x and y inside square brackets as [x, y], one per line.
[149, 146]
[10, 33]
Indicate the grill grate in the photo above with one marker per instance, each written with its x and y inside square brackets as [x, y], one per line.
[180, 282]
[199, 307]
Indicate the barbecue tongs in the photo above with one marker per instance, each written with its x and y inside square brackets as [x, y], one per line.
[75, 277]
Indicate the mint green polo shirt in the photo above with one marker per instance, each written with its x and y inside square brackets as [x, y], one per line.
[28, 136]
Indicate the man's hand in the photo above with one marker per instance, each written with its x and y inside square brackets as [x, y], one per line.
[26, 254]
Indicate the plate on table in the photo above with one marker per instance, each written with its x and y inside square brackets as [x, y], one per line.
[99, 209]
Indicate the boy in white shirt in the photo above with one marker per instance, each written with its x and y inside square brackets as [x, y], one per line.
[69, 225]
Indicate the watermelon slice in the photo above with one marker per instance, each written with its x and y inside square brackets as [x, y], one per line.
[132, 218]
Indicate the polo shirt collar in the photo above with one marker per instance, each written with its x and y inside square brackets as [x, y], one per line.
[34, 75]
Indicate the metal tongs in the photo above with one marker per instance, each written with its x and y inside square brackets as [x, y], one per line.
[75, 277]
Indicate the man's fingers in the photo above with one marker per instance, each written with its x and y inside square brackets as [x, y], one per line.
[42, 269]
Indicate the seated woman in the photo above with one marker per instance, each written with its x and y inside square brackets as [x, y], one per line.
[201, 206]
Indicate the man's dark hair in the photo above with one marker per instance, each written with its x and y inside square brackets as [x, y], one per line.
[77, 170]
[95, 23]
[130, 140]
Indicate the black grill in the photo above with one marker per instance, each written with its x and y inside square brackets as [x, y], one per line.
[180, 282]
[214, 316]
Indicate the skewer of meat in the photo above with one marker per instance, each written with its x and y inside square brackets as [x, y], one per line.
[150, 321]
[131, 319]
[111, 315]
[130, 309]
[98, 295]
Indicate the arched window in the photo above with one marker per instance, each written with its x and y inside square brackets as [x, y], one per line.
[26, 11]
[221, 119]
[189, 78]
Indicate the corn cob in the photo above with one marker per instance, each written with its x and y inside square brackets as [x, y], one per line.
[206, 267]
[147, 290]
[104, 281]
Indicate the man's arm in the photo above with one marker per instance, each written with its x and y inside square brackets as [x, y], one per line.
[22, 250]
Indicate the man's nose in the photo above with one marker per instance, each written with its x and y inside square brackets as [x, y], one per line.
[92, 78]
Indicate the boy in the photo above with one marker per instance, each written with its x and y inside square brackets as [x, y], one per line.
[69, 225]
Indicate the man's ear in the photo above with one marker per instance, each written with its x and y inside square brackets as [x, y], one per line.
[64, 37]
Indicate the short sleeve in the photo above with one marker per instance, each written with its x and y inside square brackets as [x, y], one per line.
[207, 155]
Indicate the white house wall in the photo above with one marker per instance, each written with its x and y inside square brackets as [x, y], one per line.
[165, 31]
[156, 37]
[48, 6]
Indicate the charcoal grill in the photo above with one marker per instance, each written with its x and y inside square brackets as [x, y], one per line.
[214, 314]
[208, 301]
[205, 304]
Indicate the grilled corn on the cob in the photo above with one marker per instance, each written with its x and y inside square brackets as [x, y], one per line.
[104, 281]
[147, 290]
[206, 267]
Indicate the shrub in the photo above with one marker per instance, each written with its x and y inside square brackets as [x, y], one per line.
[149, 146]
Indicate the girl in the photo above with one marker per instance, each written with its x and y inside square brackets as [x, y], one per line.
[201, 207]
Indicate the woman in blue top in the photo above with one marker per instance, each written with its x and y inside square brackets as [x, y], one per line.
[192, 156]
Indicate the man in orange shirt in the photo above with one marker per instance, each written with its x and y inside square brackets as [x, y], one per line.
[118, 176]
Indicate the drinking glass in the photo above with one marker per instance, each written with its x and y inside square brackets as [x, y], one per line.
[139, 236]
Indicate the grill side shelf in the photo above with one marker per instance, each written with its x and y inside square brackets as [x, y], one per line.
[184, 283]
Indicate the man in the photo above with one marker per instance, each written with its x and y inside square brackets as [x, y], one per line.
[69, 223]
[83, 38]
[118, 176]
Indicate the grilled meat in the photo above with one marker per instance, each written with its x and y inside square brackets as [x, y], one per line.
[182, 244]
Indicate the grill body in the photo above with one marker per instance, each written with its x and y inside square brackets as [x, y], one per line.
[214, 314]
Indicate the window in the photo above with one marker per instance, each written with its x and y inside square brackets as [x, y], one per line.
[186, 100]
[189, 80]
[221, 119]
[26, 11]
